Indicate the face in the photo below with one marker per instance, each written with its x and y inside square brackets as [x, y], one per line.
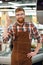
[20, 16]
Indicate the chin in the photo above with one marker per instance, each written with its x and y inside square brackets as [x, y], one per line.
[20, 21]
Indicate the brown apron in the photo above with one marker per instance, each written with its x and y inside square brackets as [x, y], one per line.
[21, 46]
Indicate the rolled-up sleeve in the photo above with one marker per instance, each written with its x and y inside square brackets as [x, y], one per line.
[36, 33]
[8, 35]
[11, 33]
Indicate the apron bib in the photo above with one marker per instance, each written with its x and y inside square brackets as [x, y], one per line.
[21, 46]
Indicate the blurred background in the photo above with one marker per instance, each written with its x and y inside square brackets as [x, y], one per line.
[34, 12]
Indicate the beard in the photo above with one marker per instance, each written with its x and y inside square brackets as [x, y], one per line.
[20, 20]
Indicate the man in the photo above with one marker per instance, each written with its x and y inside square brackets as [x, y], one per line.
[22, 33]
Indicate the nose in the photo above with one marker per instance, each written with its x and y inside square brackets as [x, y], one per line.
[20, 15]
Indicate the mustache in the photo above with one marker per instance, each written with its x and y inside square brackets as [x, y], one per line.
[21, 18]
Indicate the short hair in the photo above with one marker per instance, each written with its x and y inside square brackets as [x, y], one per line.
[19, 9]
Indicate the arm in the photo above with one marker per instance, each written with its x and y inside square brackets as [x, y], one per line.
[7, 34]
[37, 36]
[37, 48]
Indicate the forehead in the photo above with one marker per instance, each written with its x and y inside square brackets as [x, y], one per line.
[19, 12]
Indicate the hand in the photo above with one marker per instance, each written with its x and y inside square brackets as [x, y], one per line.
[5, 34]
[5, 37]
[31, 54]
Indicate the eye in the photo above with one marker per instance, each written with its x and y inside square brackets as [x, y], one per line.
[17, 14]
[20, 14]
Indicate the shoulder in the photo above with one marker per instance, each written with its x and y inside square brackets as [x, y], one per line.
[32, 25]
[29, 24]
[14, 25]
[11, 26]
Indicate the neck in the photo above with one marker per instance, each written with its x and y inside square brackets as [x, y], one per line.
[20, 23]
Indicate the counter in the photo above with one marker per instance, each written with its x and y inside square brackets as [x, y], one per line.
[7, 59]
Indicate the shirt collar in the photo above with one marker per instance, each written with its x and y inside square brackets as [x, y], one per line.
[20, 24]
